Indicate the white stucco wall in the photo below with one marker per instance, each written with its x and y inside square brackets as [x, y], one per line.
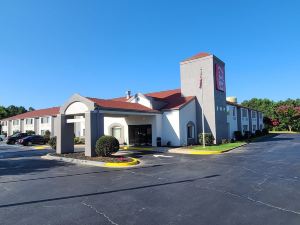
[232, 120]
[142, 100]
[171, 128]
[124, 122]
[187, 114]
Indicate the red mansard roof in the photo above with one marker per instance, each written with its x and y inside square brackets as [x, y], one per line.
[172, 98]
[36, 113]
[197, 56]
[111, 104]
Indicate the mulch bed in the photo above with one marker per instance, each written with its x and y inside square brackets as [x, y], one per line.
[80, 155]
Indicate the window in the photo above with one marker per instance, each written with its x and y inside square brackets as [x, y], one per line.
[42, 132]
[190, 131]
[45, 120]
[116, 132]
[4, 123]
[245, 128]
[16, 122]
[233, 111]
[260, 126]
[253, 114]
[260, 115]
[245, 113]
[29, 121]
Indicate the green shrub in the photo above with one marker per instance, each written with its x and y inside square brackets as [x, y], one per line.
[209, 139]
[30, 132]
[238, 135]
[225, 141]
[258, 133]
[52, 142]
[79, 141]
[265, 131]
[47, 135]
[106, 145]
[247, 135]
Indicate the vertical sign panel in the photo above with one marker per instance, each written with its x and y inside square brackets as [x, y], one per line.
[220, 78]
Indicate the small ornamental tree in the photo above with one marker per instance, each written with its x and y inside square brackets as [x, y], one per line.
[106, 145]
[52, 142]
[47, 135]
[289, 116]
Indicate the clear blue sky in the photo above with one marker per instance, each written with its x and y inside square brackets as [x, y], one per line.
[52, 49]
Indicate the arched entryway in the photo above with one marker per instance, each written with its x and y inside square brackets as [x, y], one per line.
[78, 106]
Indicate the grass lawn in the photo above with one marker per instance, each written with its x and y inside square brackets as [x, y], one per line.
[222, 147]
[284, 132]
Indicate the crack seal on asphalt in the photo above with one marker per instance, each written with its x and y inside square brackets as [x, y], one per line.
[253, 200]
[273, 206]
[100, 213]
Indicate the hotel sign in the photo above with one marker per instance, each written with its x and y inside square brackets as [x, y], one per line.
[220, 78]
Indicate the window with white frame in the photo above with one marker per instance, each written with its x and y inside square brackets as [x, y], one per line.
[44, 120]
[43, 132]
[253, 114]
[260, 115]
[245, 128]
[244, 113]
[254, 128]
[29, 121]
[16, 122]
[260, 126]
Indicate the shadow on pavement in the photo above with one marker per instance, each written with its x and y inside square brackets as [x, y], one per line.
[23, 154]
[108, 192]
[22, 166]
[76, 174]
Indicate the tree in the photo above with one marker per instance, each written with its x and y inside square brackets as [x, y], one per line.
[3, 112]
[265, 105]
[30, 109]
[289, 115]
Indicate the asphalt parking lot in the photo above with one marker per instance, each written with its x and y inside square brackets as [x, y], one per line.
[256, 184]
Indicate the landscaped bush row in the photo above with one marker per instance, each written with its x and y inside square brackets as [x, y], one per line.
[248, 135]
[209, 139]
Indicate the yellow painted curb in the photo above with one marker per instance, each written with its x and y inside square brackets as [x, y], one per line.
[135, 148]
[200, 152]
[40, 147]
[122, 164]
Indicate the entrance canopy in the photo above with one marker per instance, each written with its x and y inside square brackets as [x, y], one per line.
[92, 111]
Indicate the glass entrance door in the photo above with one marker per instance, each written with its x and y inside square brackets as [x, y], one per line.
[140, 135]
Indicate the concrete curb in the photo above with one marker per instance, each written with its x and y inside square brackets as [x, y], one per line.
[134, 163]
[201, 152]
